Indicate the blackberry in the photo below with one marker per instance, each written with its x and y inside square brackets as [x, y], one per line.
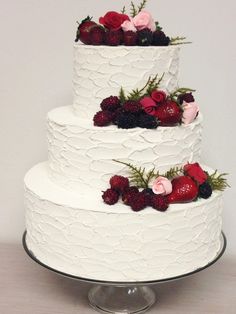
[145, 37]
[127, 121]
[160, 39]
[205, 190]
[147, 122]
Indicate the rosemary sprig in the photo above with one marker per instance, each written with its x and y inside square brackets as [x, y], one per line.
[138, 176]
[122, 96]
[179, 41]
[173, 172]
[123, 11]
[183, 90]
[142, 5]
[217, 181]
[154, 84]
[133, 10]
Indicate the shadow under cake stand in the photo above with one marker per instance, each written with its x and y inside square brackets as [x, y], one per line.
[124, 297]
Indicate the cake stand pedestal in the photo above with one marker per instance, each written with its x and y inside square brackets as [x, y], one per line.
[124, 297]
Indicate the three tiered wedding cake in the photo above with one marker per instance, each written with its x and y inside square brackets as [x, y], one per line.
[70, 227]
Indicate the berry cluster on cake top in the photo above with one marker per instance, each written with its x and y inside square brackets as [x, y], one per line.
[148, 107]
[119, 28]
[152, 189]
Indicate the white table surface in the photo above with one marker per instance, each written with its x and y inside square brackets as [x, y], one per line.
[27, 288]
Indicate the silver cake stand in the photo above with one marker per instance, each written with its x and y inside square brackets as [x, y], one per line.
[124, 297]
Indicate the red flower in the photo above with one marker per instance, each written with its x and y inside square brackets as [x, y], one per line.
[195, 172]
[148, 105]
[159, 96]
[113, 20]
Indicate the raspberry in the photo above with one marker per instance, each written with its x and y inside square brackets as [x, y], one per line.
[110, 197]
[102, 118]
[114, 38]
[111, 103]
[132, 106]
[119, 183]
[139, 202]
[97, 35]
[159, 203]
[148, 194]
[129, 194]
[130, 38]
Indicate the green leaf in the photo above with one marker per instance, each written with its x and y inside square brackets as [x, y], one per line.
[123, 11]
[133, 10]
[122, 95]
[142, 5]
[217, 181]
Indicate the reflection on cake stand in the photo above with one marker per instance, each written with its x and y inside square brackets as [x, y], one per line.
[124, 297]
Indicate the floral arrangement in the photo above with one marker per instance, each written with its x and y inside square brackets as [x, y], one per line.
[148, 107]
[114, 28]
[178, 185]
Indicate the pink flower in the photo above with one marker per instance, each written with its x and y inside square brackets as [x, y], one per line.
[128, 26]
[159, 96]
[162, 186]
[190, 111]
[148, 105]
[144, 20]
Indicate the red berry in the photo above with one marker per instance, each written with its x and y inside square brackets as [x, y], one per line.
[130, 38]
[139, 202]
[102, 118]
[119, 183]
[114, 38]
[159, 203]
[97, 35]
[110, 197]
[168, 113]
[132, 106]
[111, 103]
[83, 32]
[148, 195]
[129, 194]
[185, 190]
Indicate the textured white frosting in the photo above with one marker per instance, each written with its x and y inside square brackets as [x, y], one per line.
[87, 238]
[81, 154]
[100, 71]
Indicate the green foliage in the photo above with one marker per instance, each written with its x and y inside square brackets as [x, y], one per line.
[173, 172]
[174, 41]
[135, 10]
[147, 89]
[138, 176]
[123, 11]
[122, 96]
[217, 181]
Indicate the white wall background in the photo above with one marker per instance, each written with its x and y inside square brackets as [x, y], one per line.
[36, 74]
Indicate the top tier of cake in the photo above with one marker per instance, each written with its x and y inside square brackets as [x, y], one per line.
[100, 71]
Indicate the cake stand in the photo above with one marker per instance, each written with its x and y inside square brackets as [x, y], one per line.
[124, 297]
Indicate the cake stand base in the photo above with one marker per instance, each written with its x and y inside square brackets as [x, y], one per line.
[124, 297]
[121, 300]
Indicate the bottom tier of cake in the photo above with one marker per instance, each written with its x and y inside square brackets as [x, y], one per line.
[80, 235]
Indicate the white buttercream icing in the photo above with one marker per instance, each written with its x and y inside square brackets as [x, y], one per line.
[82, 236]
[80, 153]
[100, 71]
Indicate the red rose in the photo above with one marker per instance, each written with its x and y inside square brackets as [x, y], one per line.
[148, 105]
[195, 172]
[159, 96]
[113, 20]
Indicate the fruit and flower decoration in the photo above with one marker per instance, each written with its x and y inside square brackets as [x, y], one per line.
[118, 28]
[151, 189]
[148, 107]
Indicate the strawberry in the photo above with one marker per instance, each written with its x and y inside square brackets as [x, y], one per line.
[185, 190]
[83, 31]
[168, 113]
[97, 34]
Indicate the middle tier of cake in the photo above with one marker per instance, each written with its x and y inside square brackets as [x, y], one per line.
[81, 155]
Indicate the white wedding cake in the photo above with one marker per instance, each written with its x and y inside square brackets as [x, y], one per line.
[69, 226]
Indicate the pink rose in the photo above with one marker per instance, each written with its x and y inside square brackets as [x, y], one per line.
[144, 20]
[190, 111]
[148, 105]
[128, 26]
[162, 186]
